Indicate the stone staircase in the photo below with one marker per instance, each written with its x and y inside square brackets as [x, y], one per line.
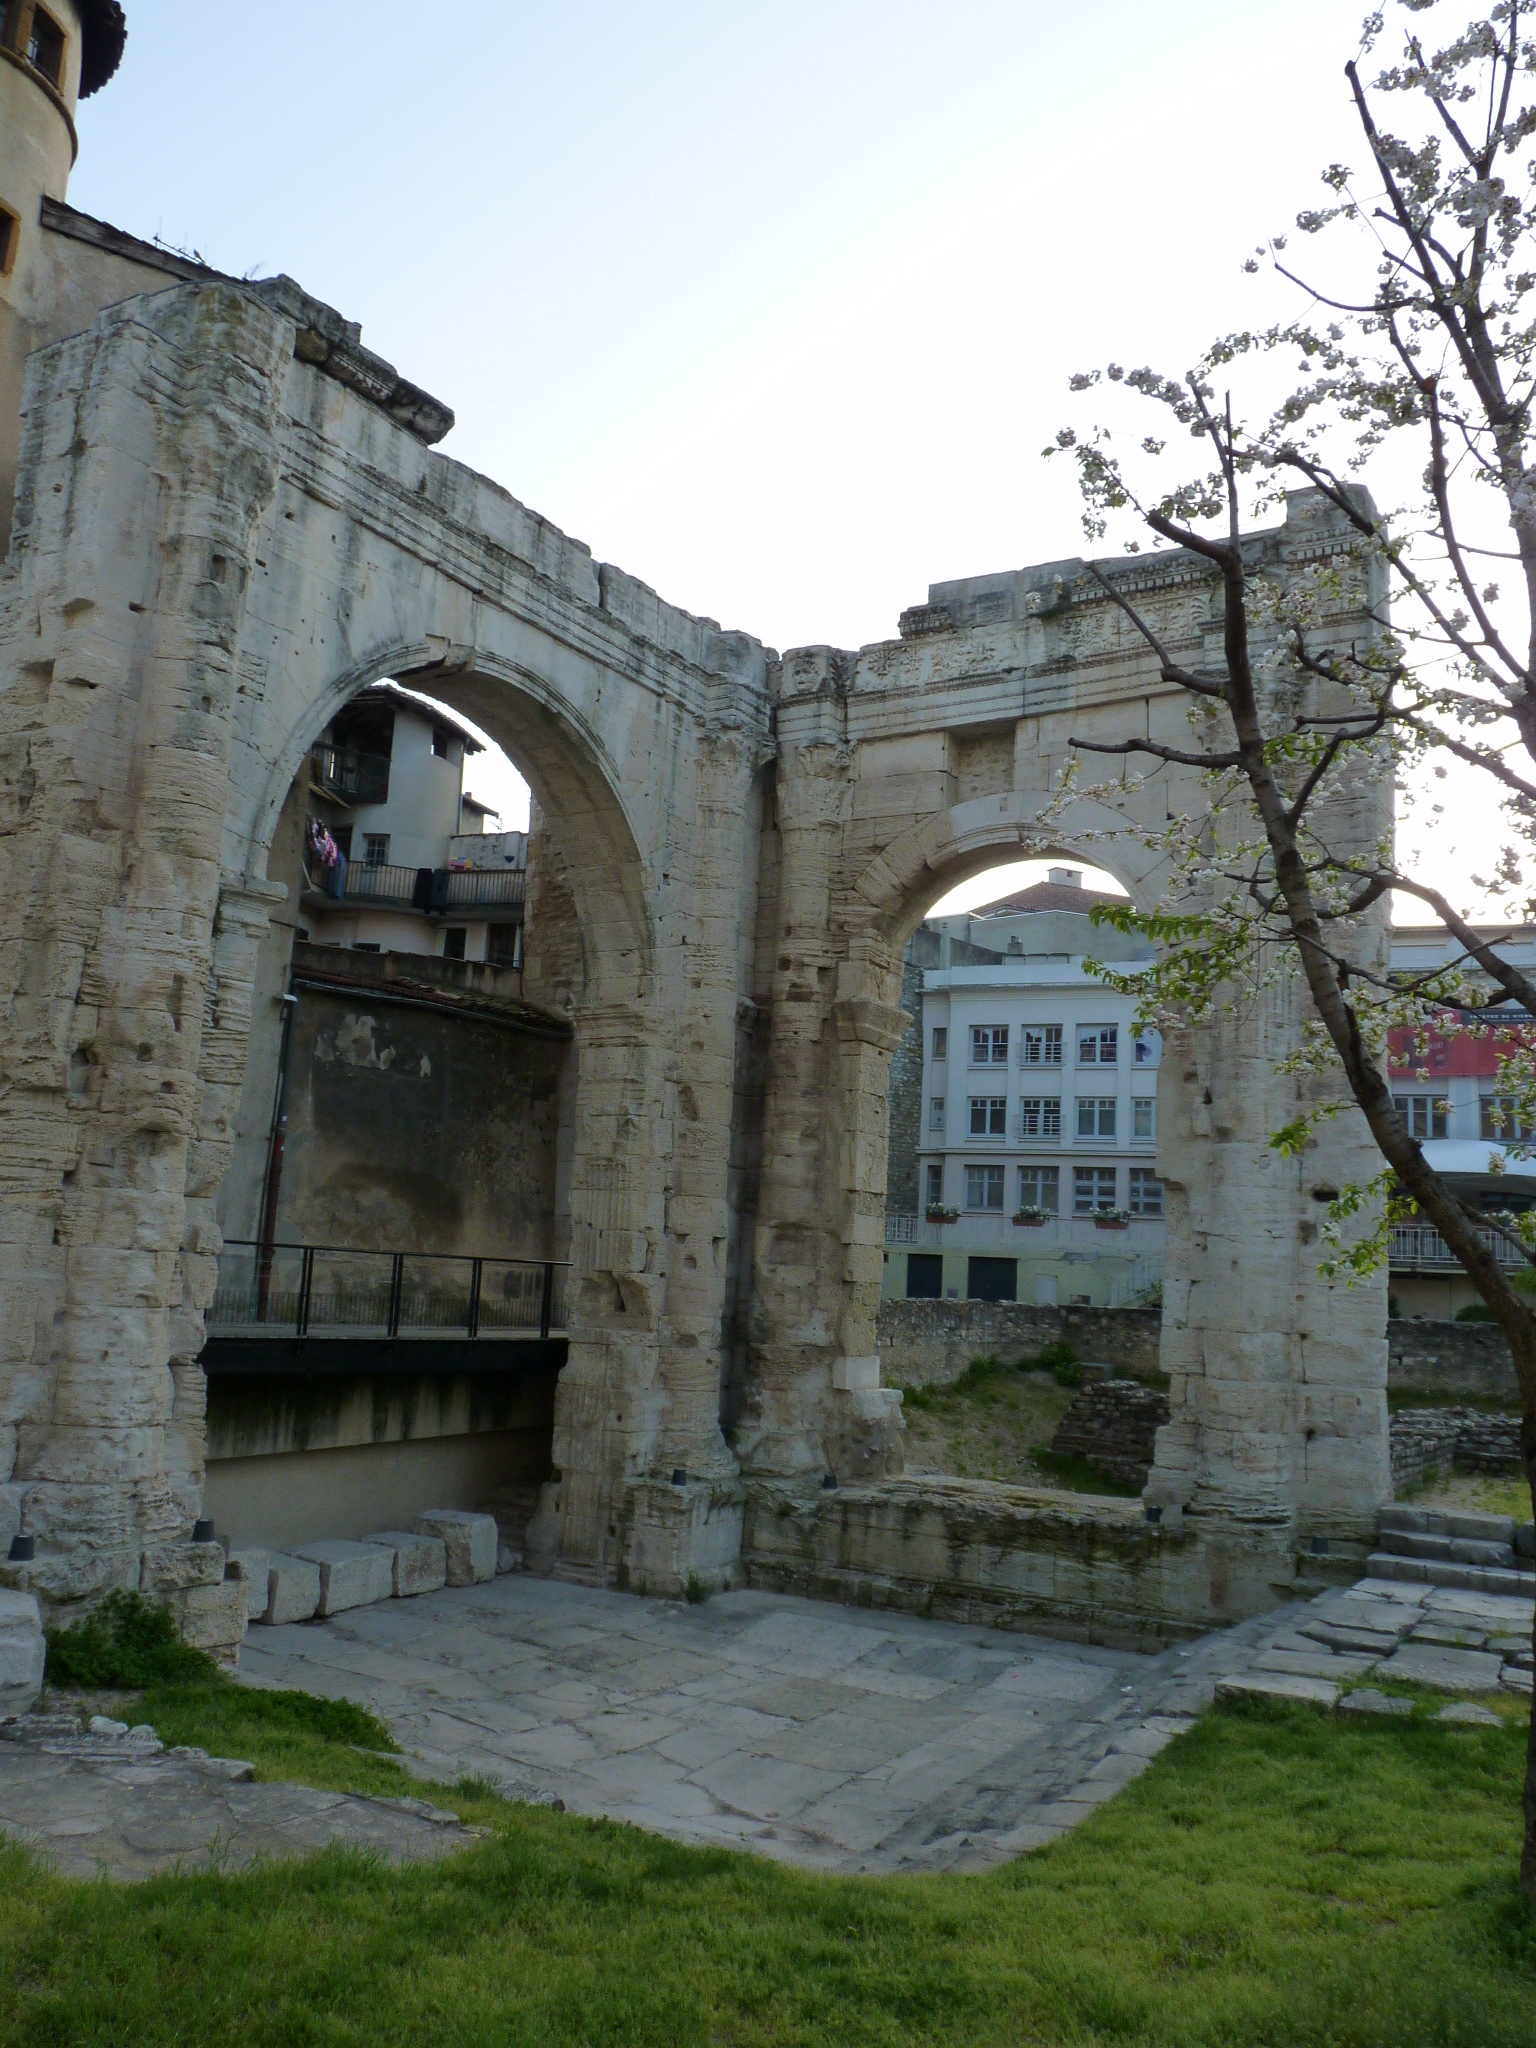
[1454, 1547]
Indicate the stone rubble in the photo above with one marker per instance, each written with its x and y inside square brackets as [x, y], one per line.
[111, 1800]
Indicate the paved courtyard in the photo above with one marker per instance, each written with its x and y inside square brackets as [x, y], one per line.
[826, 1736]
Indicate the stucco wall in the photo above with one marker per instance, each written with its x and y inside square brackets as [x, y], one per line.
[413, 1130]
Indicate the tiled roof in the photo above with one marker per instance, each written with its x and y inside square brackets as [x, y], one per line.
[1045, 896]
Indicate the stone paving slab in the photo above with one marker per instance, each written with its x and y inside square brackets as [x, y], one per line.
[832, 1737]
[118, 1805]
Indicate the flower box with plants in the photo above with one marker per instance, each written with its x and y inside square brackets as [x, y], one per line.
[1030, 1216]
[941, 1212]
[1112, 1219]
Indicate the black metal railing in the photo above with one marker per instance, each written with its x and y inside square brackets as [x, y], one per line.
[317, 1290]
[437, 890]
[355, 777]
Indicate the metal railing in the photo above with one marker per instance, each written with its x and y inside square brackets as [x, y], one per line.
[438, 890]
[317, 1290]
[1417, 1245]
[355, 777]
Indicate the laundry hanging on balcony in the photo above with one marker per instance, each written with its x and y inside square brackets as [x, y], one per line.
[326, 857]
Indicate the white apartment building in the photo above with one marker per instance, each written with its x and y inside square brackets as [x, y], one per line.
[1037, 1153]
[421, 873]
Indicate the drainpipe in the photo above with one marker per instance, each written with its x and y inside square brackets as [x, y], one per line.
[274, 1174]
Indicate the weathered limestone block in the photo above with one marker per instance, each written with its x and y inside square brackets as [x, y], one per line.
[469, 1541]
[418, 1564]
[213, 1618]
[22, 1654]
[173, 1568]
[351, 1574]
[293, 1588]
[250, 1568]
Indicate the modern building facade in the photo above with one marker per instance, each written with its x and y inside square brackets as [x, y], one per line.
[1036, 1153]
[417, 870]
[1473, 1128]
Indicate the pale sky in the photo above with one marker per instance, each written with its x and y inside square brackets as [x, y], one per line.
[772, 305]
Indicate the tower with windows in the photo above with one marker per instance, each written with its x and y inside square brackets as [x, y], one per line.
[53, 54]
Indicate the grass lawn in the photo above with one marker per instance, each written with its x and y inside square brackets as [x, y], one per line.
[996, 1421]
[1278, 1876]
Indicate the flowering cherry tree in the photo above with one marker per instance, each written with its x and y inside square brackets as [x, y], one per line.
[1412, 355]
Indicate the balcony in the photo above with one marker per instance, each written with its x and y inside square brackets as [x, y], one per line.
[986, 1230]
[440, 892]
[1416, 1248]
[351, 777]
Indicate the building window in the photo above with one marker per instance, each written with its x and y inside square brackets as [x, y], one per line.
[504, 945]
[45, 50]
[984, 1188]
[442, 740]
[1502, 1119]
[1146, 1192]
[1148, 1045]
[989, 1116]
[935, 1112]
[10, 240]
[375, 849]
[1093, 1190]
[367, 946]
[1144, 1117]
[453, 942]
[941, 1041]
[1098, 1045]
[1095, 1116]
[1423, 1116]
[925, 1276]
[936, 1184]
[989, 1045]
[1040, 1188]
[342, 834]
[1040, 1046]
[1040, 1116]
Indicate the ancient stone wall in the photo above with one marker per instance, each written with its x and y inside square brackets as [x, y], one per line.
[1469, 1361]
[930, 1343]
[226, 525]
[906, 1097]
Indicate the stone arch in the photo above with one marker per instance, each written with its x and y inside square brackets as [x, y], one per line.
[937, 853]
[301, 542]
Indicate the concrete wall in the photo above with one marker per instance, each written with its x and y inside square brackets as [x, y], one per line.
[274, 1502]
[928, 1343]
[418, 1130]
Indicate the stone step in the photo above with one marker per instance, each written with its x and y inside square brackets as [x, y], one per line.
[1448, 1549]
[1464, 1523]
[1431, 1571]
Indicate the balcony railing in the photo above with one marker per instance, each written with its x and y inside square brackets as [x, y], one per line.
[354, 777]
[440, 891]
[316, 1290]
[1416, 1247]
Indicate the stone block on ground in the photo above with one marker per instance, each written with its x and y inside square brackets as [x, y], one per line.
[22, 1653]
[1366, 1700]
[249, 1569]
[419, 1564]
[1513, 1679]
[470, 1540]
[351, 1574]
[173, 1567]
[213, 1618]
[1470, 1714]
[1446, 1669]
[1277, 1685]
[293, 1588]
